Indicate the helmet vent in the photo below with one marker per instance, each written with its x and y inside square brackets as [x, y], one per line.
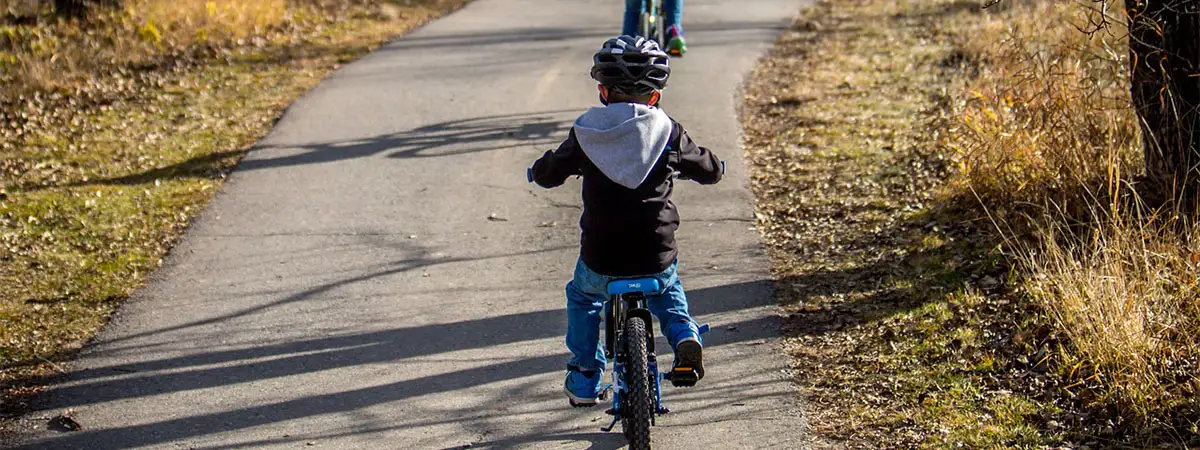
[631, 65]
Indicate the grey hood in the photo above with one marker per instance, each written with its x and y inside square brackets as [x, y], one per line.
[624, 140]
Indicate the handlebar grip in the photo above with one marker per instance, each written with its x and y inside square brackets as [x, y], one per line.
[529, 174]
[722, 168]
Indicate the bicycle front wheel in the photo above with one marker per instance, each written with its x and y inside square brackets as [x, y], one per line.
[639, 403]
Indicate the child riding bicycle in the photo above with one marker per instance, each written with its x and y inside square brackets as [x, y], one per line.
[628, 152]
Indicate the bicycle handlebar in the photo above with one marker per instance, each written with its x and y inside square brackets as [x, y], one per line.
[680, 176]
[529, 173]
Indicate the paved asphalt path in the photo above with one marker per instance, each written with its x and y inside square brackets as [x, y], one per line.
[378, 274]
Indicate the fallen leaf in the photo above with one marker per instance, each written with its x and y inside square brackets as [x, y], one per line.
[66, 421]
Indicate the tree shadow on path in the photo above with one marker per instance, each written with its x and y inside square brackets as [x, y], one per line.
[443, 139]
[387, 348]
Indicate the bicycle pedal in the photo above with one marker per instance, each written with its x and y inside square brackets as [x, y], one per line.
[683, 377]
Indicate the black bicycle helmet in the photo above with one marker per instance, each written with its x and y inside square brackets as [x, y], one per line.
[631, 65]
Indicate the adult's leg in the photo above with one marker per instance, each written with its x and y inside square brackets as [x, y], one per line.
[633, 15]
[673, 10]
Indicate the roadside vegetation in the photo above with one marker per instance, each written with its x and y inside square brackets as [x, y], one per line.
[117, 127]
[956, 202]
[1048, 141]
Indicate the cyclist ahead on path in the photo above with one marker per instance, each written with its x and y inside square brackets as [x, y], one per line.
[673, 12]
[628, 153]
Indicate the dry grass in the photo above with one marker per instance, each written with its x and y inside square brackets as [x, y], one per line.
[891, 305]
[180, 23]
[1048, 113]
[1047, 141]
[58, 54]
[949, 194]
[107, 154]
[53, 54]
[1128, 297]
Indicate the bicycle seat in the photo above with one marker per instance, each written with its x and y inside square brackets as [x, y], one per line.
[648, 286]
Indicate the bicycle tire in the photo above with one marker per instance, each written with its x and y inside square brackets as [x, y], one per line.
[639, 404]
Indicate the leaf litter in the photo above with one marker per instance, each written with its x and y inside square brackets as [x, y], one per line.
[890, 295]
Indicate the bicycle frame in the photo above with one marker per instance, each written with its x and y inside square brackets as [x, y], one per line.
[652, 6]
[652, 25]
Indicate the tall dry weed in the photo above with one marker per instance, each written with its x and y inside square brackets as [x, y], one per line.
[1126, 294]
[51, 54]
[183, 22]
[1047, 141]
[1049, 113]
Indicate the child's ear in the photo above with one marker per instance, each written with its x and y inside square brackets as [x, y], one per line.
[655, 97]
[603, 94]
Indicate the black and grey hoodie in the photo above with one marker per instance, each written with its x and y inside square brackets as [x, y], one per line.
[627, 154]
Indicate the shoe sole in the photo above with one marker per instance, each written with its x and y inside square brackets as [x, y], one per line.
[689, 364]
[579, 402]
[676, 50]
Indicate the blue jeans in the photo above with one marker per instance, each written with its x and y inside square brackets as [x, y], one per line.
[672, 12]
[588, 291]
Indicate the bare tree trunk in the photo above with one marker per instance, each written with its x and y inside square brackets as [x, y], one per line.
[70, 8]
[78, 8]
[1164, 50]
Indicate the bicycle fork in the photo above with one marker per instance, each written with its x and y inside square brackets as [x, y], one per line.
[618, 389]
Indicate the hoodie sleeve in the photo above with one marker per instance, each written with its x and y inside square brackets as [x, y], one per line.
[553, 168]
[696, 162]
